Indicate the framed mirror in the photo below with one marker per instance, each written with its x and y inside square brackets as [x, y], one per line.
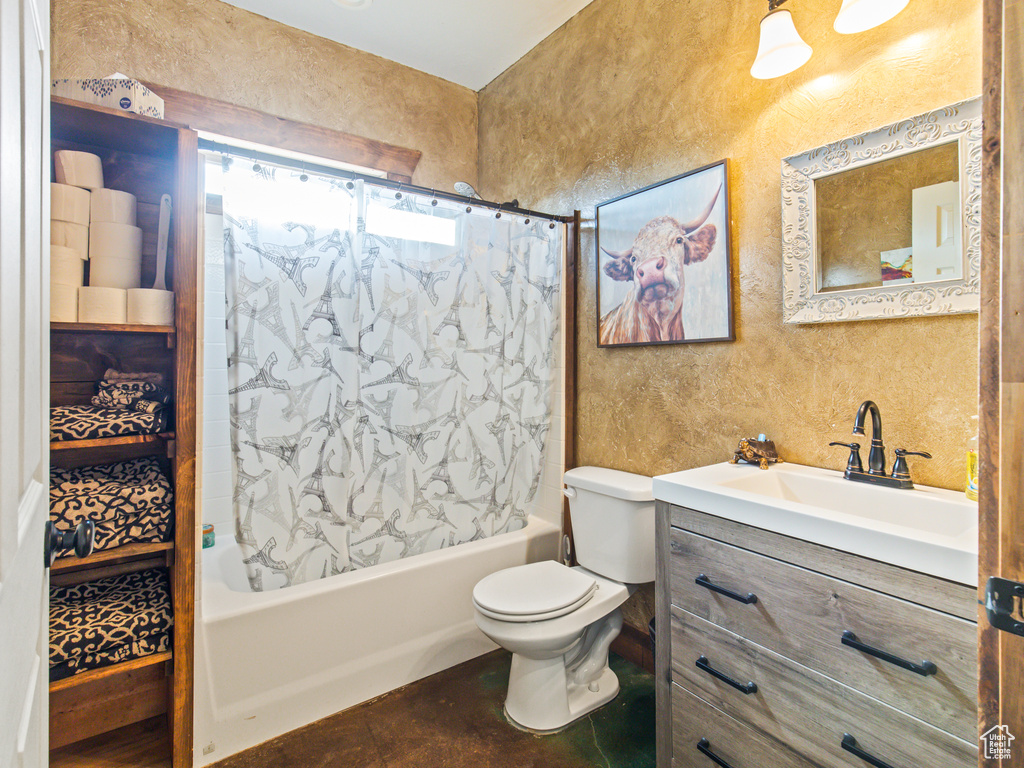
[886, 223]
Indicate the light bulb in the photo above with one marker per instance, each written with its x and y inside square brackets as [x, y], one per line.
[781, 49]
[860, 15]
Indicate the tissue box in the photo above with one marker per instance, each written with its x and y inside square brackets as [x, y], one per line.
[114, 92]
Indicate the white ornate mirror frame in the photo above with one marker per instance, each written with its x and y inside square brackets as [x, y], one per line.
[802, 302]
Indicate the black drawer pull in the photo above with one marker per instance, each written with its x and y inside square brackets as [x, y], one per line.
[748, 599]
[705, 747]
[850, 745]
[748, 688]
[925, 668]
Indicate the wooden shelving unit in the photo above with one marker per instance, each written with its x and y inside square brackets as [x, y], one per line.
[147, 158]
[114, 669]
[111, 328]
[161, 438]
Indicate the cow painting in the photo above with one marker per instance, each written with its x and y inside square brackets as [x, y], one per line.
[655, 266]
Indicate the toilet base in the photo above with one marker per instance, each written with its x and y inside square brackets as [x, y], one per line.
[542, 700]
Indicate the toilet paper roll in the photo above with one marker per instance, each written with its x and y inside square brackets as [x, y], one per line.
[67, 267]
[74, 236]
[119, 241]
[63, 303]
[69, 203]
[64, 251]
[102, 305]
[147, 306]
[79, 169]
[112, 205]
[111, 272]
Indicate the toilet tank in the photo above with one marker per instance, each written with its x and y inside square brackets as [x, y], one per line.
[612, 516]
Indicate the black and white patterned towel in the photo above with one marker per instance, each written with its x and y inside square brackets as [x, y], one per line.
[109, 620]
[88, 422]
[142, 396]
[130, 501]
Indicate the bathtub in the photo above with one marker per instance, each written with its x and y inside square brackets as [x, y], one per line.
[270, 662]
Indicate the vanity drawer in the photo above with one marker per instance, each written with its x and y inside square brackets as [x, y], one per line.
[696, 724]
[803, 615]
[801, 708]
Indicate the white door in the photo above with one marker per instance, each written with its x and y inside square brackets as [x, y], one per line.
[24, 373]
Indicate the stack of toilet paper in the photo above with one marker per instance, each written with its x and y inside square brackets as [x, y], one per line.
[103, 231]
[69, 232]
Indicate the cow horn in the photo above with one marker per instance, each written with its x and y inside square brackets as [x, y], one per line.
[699, 221]
[620, 254]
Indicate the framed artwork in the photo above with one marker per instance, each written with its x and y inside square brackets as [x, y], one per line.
[663, 262]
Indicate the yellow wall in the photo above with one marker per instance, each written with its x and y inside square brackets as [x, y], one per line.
[630, 92]
[216, 50]
[633, 91]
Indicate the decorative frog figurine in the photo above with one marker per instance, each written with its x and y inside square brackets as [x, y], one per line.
[760, 451]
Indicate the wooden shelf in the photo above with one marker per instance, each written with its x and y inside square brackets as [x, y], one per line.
[111, 328]
[145, 744]
[102, 673]
[107, 442]
[111, 556]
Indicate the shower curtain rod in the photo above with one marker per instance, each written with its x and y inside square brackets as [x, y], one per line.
[326, 170]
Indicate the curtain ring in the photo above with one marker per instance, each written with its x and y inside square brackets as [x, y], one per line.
[527, 221]
[303, 176]
[433, 198]
[498, 214]
[469, 209]
[398, 192]
[256, 167]
[551, 225]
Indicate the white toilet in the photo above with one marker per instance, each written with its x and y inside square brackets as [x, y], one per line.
[558, 621]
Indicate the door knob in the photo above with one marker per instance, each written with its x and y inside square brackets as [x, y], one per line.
[80, 538]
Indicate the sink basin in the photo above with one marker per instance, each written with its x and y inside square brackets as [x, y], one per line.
[930, 530]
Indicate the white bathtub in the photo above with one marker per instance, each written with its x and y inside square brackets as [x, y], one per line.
[270, 662]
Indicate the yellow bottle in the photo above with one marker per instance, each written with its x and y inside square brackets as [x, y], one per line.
[971, 480]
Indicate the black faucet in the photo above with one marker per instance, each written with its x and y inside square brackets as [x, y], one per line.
[876, 458]
[900, 477]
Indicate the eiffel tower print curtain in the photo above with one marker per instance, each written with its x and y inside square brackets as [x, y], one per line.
[390, 363]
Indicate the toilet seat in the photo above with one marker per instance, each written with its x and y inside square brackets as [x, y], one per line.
[533, 592]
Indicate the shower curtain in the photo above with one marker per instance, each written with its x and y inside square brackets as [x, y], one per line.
[390, 363]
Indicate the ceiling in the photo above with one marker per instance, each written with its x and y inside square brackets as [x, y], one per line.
[469, 42]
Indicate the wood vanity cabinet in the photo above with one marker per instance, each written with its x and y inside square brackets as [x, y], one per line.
[781, 653]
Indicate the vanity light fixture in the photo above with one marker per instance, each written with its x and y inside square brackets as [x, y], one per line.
[781, 49]
[861, 15]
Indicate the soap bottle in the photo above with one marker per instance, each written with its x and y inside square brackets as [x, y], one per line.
[971, 480]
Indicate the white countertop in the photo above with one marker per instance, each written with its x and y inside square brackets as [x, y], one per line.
[931, 530]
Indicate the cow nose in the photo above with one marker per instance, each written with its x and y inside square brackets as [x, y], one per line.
[651, 272]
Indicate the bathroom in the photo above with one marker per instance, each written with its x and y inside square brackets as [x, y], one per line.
[610, 98]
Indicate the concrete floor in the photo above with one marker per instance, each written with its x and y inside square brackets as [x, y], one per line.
[454, 719]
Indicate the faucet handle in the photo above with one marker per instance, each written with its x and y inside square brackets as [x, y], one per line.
[900, 470]
[853, 463]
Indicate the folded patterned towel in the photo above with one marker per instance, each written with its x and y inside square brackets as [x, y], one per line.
[115, 375]
[88, 422]
[129, 502]
[142, 396]
[108, 621]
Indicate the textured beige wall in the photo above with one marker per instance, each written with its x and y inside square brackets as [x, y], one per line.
[216, 50]
[629, 92]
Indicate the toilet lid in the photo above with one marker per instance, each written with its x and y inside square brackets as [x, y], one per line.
[546, 587]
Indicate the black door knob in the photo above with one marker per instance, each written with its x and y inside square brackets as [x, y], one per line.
[80, 538]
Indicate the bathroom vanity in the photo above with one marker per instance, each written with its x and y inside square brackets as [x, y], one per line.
[813, 623]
